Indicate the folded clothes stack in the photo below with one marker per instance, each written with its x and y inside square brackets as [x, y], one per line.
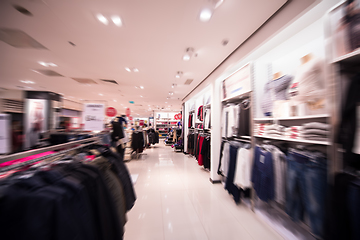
[293, 132]
[309, 131]
[274, 130]
[315, 131]
[259, 128]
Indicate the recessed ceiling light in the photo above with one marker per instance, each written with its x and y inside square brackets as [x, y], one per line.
[186, 57]
[114, 100]
[205, 15]
[47, 64]
[136, 87]
[43, 64]
[116, 20]
[141, 96]
[142, 87]
[165, 102]
[27, 81]
[149, 105]
[171, 93]
[102, 19]
[135, 70]
[127, 69]
[101, 94]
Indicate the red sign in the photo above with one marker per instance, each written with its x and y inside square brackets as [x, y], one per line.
[178, 116]
[110, 112]
[127, 111]
[130, 118]
[141, 122]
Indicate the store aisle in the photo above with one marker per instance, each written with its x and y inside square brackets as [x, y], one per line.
[175, 200]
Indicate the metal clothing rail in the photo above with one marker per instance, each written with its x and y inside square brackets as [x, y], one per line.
[45, 149]
[92, 141]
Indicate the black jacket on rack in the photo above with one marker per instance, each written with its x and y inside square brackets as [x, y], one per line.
[348, 125]
[70, 200]
[137, 141]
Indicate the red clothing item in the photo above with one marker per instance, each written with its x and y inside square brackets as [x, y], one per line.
[200, 158]
[25, 159]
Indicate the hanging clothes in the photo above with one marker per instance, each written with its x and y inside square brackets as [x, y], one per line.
[69, 200]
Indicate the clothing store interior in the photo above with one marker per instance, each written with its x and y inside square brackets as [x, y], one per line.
[205, 120]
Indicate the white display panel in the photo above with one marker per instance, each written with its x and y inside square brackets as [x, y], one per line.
[238, 83]
[93, 117]
[35, 120]
[5, 138]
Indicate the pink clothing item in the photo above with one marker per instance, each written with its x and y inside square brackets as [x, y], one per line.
[200, 158]
[20, 160]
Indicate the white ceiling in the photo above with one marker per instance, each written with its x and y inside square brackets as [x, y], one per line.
[153, 39]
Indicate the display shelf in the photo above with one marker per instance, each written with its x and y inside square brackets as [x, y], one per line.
[237, 98]
[353, 57]
[247, 137]
[293, 118]
[295, 140]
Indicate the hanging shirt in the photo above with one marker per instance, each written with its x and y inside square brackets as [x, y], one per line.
[243, 168]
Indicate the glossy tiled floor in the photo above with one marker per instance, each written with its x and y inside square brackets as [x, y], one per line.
[175, 200]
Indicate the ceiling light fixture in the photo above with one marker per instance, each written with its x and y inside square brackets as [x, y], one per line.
[142, 87]
[173, 85]
[205, 15]
[116, 20]
[141, 96]
[135, 70]
[114, 100]
[171, 93]
[47, 64]
[179, 74]
[127, 69]
[100, 94]
[27, 81]
[102, 19]
[188, 54]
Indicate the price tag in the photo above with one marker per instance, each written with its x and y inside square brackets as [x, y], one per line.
[262, 159]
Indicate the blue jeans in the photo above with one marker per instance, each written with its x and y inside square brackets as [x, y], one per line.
[306, 189]
[353, 200]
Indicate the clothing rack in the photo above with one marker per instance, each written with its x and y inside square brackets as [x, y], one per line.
[236, 139]
[87, 142]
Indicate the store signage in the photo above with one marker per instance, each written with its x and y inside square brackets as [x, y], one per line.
[130, 118]
[127, 112]
[238, 83]
[94, 115]
[5, 139]
[132, 102]
[110, 112]
[178, 116]
[141, 122]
